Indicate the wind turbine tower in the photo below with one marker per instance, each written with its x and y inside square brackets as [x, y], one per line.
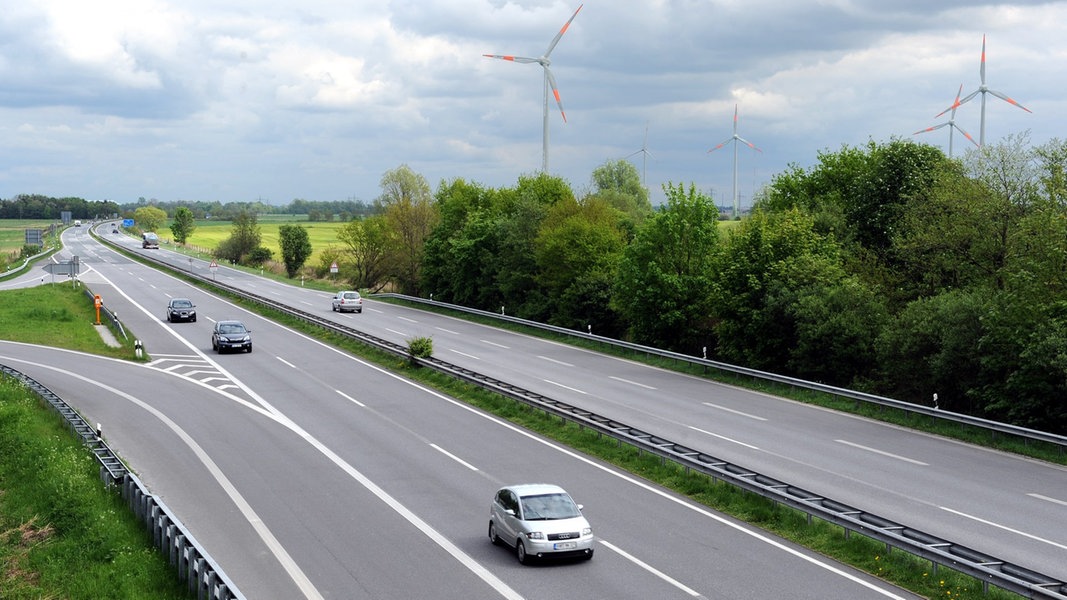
[644, 158]
[735, 138]
[983, 90]
[951, 124]
[550, 81]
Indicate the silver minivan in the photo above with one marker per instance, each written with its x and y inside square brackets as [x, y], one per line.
[539, 520]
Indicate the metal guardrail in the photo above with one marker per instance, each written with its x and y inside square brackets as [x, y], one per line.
[1004, 428]
[204, 577]
[984, 567]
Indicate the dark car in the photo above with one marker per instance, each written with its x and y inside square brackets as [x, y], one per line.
[181, 309]
[231, 335]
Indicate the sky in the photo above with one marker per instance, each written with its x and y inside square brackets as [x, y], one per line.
[247, 100]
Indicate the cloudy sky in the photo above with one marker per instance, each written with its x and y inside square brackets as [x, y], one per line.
[316, 99]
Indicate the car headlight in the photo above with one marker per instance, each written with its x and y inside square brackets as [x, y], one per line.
[587, 531]
[535, 535]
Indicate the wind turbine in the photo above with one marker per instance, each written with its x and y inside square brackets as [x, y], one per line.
[951, 124]
[644, 158]
[735, 138]
[550, 81]
[983, 90]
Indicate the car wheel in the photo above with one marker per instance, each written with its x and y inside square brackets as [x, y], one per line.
[334, 308]
[249, 350]
[193, 319]
[589, 556]
[520, 552]
[168, 317]
[493, 537]
[360, 311]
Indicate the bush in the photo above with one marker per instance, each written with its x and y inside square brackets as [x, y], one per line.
[420, 347]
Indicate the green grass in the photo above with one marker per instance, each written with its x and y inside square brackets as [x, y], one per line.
[56, 314]
[62, 534]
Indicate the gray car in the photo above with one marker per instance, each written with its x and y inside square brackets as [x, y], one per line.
[181, 309]
[539, 520]
[231, 335]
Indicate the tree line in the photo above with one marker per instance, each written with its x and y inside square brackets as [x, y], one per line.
[886, 267]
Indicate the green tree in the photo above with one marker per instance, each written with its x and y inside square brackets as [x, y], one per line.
[461, 252]
[365, 260]
[578, 249]
[774, 279]
[184, 224]
[296, 248]
[406, 204]
[664, 284]
[150, 218]
[619, 184]
[245, 237]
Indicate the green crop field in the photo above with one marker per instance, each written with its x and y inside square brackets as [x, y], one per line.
[13, 232]
[208, 234]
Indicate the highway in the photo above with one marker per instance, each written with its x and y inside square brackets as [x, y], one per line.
[308, 473]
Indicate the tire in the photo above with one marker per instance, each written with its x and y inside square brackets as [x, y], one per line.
[493, 537]
[193, 319]
[334, 307]
[589, 556]
[249, 350]
[520, 553]
[168, 317]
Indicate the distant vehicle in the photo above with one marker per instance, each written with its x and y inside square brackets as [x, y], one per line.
[348, 301]
[77, 223]
[539, 520]
[181, 309]
[231, 335]
[114, 230]
[149, 240]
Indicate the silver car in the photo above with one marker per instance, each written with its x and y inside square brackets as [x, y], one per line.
[348, 301]
[539, 520]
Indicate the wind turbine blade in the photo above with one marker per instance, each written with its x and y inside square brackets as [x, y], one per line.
[933, 128]
[749, 144]
[968, 97]
[1009, 100]
[517, 59]
[955, 104]
[724, 142]
[965, 134]
[555, 92]
[562, 30]
[982, 70]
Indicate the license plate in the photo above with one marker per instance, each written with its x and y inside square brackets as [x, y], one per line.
[565, 545]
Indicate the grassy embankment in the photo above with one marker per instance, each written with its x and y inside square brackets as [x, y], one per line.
[62, 534]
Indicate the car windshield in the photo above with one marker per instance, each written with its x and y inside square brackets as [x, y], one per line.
[546, 507]
[181, 304]
[231, 328]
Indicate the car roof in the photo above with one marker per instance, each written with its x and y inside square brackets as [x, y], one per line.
[534, 489]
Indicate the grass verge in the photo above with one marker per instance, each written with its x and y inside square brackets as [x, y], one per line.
[62, 534]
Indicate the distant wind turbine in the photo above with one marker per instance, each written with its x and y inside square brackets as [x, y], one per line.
[951, 124]
[735, 138]
[644, 158]
[983, 90]
[550, 81]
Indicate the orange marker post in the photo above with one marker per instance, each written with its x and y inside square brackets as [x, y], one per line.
[97, 302]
